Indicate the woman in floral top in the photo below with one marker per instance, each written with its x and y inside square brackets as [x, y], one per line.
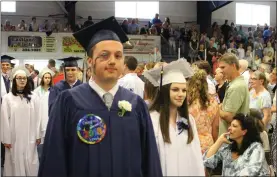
[242, 154]
[204, 109]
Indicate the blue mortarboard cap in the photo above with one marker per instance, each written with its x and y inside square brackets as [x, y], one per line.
[70, 61]
[6, 58]
[108, 29]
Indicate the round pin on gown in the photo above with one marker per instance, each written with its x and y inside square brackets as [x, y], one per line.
[91, 129]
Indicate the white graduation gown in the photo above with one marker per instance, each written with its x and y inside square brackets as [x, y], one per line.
[20, 124]
[133, 83]
[178, 158]
[43, 103]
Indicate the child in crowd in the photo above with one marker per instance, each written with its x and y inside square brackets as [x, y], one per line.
[257, 62]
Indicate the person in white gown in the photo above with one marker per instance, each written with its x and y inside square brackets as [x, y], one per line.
[20, 124]
[175, 130]
[42, 92]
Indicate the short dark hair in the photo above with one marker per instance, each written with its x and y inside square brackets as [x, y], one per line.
[230, 59]
[205, 66]
[52, 62]
[26, 91]
[89, 18]
[36, 71]
[131, 63]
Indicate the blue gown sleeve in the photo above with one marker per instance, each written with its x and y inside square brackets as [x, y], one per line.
[151, 165]
[52, 97]
[54, 159]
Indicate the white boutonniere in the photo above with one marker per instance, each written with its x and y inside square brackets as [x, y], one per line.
[124, 106]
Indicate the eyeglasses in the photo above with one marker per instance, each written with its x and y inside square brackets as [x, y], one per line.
[21, 78]
[253, 78]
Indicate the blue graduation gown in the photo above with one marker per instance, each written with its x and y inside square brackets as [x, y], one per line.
[58, 88]
[128, 149]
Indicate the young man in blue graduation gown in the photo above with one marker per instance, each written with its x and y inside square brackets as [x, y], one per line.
[91, 132]
[70, 69]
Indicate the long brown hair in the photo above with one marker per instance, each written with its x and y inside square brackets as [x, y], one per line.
[198, 89]
[51, 80]
[161, 104]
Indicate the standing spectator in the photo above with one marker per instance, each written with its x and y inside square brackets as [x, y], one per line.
[216, 32]
[22, 26]
[258, 32]
[153, 31]
[193, 45]
[274, 137]
[130, 80]
[260, 98]
[133, 28]
[166, 28]
[78, 26]
[51, 65]
[55, 27]
[124, 26]
[88, 22]
[241, 33]
[236, 98]
[243, 69]
[204, 110]
[248, 57]
[249, 42]
[172, 41]
[157, 23]
[241, 51]
[249, 32]
[233, 32]
[268, 48]
[201, 52]
[31, 70]
[267, 34]
[59, 76]
[67, 27]
[222, 50]
[36, 78]
[33, 25]
[8, 26]
[44, 27]
[271, 87]
[221, 84]
[225, 30]
[211, 51]
[258, 47]
[211, 84]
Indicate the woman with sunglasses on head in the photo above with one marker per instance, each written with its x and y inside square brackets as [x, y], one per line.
[20, 122]
[46, 77]
[175, 130]
[240, 150]
[260, 98]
